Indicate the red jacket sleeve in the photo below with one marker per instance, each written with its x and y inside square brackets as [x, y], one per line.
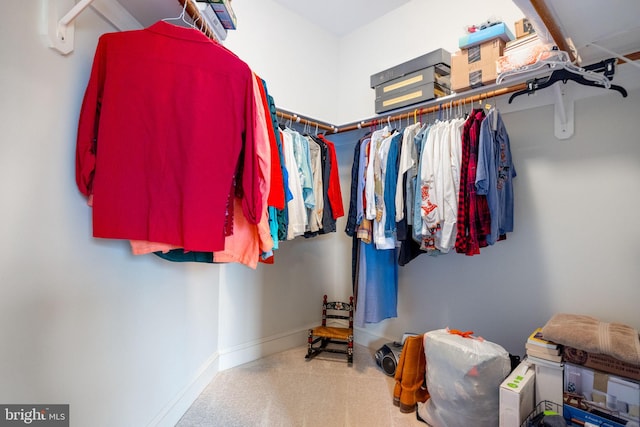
[334, 192]
[86, 143]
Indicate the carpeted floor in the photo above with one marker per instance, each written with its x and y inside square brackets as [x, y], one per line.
[285, 390]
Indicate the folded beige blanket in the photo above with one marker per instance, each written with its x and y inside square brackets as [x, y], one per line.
[590, 334]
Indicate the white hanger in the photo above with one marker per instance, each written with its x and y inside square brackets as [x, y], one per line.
[181, 16]
[559, 59]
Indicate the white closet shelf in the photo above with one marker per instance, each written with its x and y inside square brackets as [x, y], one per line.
[62, 25]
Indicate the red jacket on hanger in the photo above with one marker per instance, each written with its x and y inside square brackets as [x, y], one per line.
[334, 193]
[165, 136]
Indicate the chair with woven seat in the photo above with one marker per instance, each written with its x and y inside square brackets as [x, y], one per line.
[334, 337]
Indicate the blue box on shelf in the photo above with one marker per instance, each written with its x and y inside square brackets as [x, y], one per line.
[499, 31]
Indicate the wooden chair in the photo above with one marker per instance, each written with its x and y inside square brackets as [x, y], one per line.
[330, 334]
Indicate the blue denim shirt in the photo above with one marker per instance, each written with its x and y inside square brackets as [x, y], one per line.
[495, 173]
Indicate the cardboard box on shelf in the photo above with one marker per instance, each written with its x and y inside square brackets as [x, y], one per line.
[524, 28]
[476, 66]
[600, 398]
[601, 362]
[517, 398]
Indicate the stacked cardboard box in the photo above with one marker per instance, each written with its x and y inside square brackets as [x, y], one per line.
[600, 398]
[524, 27]
[476, 66]
[420, 79]
[601, 362]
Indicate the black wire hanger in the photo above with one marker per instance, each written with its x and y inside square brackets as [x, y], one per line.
[564, 75]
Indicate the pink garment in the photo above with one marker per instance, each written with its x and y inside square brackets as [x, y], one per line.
[244, 246]
[142, 247]
[250, 240]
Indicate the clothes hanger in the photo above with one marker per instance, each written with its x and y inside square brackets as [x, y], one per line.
[559, 60]
[564, 76]
[181, 17]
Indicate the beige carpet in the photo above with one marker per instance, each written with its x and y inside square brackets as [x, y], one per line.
[285, 390]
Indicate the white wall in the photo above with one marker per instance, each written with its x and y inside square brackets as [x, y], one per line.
[296, 58]
[83, 322]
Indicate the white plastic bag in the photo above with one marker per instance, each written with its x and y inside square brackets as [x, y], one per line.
[464, 374]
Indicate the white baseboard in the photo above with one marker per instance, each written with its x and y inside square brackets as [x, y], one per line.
[253, 350]
[176, 408]
[365, 338]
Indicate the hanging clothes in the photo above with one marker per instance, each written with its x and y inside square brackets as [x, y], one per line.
[334, 191]
[297, 214]
[276, 197]
[248, 242]
[495, 173]
[374, 266]
[429, 189]
[354, 216]
[316, 186]
[409, 249]
[329, 193]
[158, 153]
[328, 222]
[377, 285]
[314, 213]
[451, 158]
[279, 194]
[473, 213]
[381, 238]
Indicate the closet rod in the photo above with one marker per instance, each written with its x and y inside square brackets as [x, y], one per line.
[288, 115]
[418, 111]
[193, 11]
